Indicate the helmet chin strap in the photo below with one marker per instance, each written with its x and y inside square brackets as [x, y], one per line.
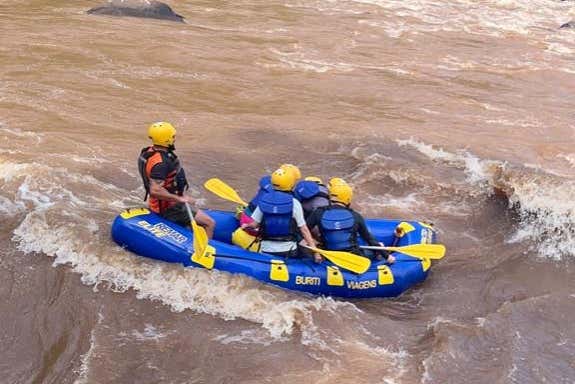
[171, 147]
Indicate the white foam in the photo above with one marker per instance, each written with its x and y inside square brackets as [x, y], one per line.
[548, 215]
[228, 296]
[517, 123]
[150, 332]
[9, 208]
[213, 292]
[486, 18]
[56, 224]
[250, 336]
[9, 170]
[558, 48]
[21, 134]
[404, 203]
[545, 201]
[570, 158]
[85, 359]
[477, 170]
[431, 112]
[454, 209]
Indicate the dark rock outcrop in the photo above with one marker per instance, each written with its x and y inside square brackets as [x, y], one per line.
[145, 9]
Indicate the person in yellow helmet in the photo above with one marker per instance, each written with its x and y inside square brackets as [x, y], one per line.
[165, 180]
[280, 216]
[339, 226]
[248, 237]
[292, 168]
[336, 181]
[265, 185]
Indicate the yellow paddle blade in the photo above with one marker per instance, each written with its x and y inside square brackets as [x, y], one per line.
[431, 251]
[351, 262]
[200, 238]
[200, 235]
[221, 189]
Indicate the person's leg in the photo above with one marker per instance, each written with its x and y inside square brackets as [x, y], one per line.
[177, 214]
[205, 221]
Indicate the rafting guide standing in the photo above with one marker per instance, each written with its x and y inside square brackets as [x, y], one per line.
[165, 180]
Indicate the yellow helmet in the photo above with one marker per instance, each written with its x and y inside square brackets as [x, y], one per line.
[340, 193]
[315, 179]
[292, 168]
[336, 181]
[283, 180]
[162, 133]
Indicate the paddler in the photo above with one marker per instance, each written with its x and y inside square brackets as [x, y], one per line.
[165, 180]
[280, 217]
[265, 186]
[312, 194]
[247, 237]
[339, 226]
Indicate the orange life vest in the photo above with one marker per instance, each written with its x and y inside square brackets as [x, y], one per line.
[175, 182]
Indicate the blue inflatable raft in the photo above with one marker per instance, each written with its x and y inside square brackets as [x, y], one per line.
[147, 234]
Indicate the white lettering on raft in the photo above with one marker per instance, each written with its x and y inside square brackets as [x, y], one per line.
[362, 284]
[306, 280]
[162, 230]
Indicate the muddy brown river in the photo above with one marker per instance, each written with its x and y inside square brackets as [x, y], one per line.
[426, 107]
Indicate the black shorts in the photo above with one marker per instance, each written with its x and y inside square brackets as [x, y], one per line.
[178, 214]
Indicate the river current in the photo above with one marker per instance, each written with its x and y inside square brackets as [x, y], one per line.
[458, 112]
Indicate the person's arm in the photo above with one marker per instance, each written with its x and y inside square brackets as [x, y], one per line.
[370, 239]
[312, 223]
[257, 216]
[159, 192]
[363, 231]
[300, 221]
[311, 242]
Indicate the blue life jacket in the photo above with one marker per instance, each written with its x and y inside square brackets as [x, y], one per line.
[277, 210]
[337, 227]
[311, 195]
[305, 189]
[265, 187]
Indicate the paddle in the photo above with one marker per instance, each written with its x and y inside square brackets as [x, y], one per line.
[431, 251]
[221, 189]
[350, 261]
[200, 235]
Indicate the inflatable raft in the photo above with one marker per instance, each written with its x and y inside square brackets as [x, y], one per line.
[147, 234]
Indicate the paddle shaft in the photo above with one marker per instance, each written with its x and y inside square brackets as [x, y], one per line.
[375, 247]
[189, 212]
[346, 260]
